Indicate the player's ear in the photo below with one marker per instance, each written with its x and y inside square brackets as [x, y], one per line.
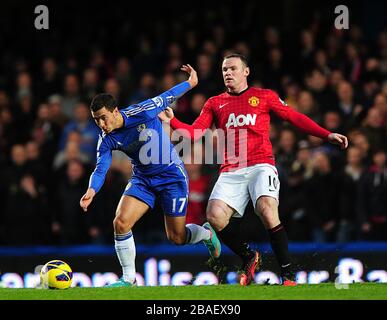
[247, 71]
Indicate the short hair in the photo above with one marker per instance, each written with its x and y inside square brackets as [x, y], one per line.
[103, 100]
[238, 55]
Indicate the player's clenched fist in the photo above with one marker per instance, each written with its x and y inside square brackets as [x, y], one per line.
[87, 198]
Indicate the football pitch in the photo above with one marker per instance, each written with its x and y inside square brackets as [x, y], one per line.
[326, 291]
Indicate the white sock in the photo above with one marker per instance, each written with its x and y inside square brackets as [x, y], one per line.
[126, 252]
[196, 233]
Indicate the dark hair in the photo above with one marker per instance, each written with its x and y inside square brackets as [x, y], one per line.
[103, 100]
[237, 55]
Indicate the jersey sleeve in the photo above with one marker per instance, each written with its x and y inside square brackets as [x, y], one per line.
[150, 108]
[104, 159]
[299, 120]
[198, 127]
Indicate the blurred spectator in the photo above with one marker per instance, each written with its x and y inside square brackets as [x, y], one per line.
[353, 66]
[90, 83]
[317, 83]
[286, 152]
[348, 207]
[46, 134]
[70, 224]
[71, 95]
[292, 194]
[112, 87]
[87, 129]
[274, 69]
[307, 105]
[124, 78]
[56, 113]
[380, 103]
[23, 86]
[307, 50]
[49, 81]
[374, 129]
[26, 219]
[8, 132]
[361, 141]
[322, 192]
[72, 151]
[208, 83]
[347, 107]
[321, 62]
[34, 163]
[333, 122]
[146, 90]
[373, 199]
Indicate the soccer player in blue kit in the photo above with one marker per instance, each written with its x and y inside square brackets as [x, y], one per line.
[138, 132]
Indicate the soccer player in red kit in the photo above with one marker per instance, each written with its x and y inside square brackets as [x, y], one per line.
[245, 110]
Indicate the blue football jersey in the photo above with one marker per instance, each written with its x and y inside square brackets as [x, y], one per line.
[141, 138]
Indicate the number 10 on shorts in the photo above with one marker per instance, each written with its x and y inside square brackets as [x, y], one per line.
[180, 203]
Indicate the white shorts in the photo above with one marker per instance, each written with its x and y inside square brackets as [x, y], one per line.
[236, 188]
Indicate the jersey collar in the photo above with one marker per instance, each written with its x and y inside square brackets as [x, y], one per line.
[240, 93]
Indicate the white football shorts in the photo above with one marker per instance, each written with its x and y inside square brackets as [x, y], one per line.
[236, 188]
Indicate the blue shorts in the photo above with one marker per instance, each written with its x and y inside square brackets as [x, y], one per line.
[170, 186]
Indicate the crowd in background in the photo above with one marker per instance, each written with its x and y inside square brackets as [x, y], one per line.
[48, 139]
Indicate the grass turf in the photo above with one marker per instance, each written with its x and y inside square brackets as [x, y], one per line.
[326, 291]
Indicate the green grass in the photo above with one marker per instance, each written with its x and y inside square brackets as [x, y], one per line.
[327, 291]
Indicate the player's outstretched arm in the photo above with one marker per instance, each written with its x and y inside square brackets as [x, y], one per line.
[87, 198]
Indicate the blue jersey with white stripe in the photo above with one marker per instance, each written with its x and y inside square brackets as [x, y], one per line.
[142, 138]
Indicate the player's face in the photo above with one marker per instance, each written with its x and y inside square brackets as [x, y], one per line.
[105, 119]
[234, 73]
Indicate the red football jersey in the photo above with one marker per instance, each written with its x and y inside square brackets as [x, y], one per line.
[247, 111]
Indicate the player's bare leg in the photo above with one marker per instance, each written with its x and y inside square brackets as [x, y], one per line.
[175, 229]
[129, 211]
[181, 233]
[267, 209]
[219, 214]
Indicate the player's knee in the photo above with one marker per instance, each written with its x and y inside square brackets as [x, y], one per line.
[176, 238]
[267, 209]
[121, 225]
[217, 219]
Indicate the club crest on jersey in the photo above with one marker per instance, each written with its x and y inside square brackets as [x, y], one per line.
[253, 101]
[158, 101]
[141, 127]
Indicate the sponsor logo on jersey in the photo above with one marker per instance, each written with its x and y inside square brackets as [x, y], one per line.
[253, 101]
[222, 105]
[240, 120]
